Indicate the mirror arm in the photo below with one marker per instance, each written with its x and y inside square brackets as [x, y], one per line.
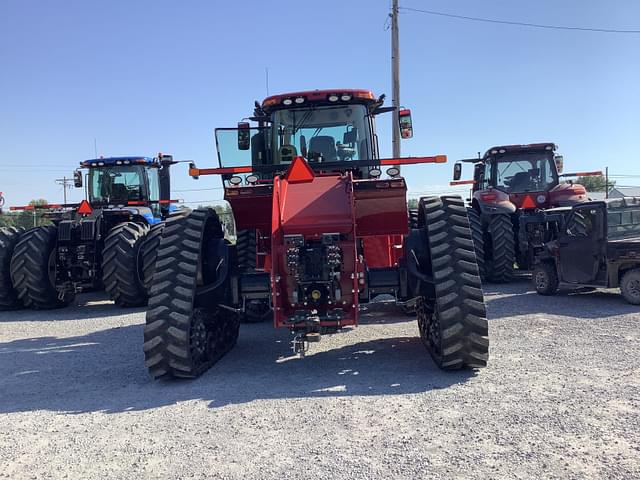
[380, 110]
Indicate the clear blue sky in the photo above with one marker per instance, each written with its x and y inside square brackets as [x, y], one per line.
[149, 76]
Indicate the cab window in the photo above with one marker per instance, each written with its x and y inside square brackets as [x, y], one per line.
[154, 190]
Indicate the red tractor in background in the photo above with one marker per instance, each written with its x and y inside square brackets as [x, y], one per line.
[511, 185]
[331, 233]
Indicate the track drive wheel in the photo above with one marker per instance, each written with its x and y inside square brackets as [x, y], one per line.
[499, 269]
[122, 265]
[545, 278]
[186, 331]
[33, 270]
[630, 286]
[452, 318]
[9, 236]
[475, 224]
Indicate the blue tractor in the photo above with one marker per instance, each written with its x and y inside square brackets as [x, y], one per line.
[108, 241]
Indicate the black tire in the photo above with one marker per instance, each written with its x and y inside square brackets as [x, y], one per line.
[453, 321]
[630, 286]
[186, 334]
[499, 268]
[246, 249]
[475, 224]
[33, 270]
[412, 217]
[545, 278]
[150, 246]
[122, 265]
[256, 311]
[9, 237]
[149, 253]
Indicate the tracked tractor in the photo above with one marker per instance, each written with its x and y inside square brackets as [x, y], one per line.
[512, 184]
[107, 241]
[333, 235]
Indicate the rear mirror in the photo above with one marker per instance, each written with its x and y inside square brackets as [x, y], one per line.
[350, 137]
[77, 179]
[559, 163]
[303, 146]
[457, 171]
[406, 125]
[244, 136]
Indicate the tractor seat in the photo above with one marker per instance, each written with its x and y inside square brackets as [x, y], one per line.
[324, 146]
[119, 192]
[520, 181]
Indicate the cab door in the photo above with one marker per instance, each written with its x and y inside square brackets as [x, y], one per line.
[583, 245]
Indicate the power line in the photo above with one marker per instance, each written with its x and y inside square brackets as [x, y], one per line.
[519, 24]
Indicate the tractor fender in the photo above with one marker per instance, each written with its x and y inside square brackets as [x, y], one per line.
[492, 201]
[567, 194]
[418, 262]
[217, 268]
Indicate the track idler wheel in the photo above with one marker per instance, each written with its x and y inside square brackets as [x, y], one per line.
[186, 330]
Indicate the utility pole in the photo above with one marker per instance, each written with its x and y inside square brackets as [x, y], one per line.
[66, 183]
[395, 79]
[606, 182]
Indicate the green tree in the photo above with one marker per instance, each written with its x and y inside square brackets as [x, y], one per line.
[595, 184]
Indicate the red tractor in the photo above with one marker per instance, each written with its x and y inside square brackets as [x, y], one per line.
[511, 185]
[331, 233]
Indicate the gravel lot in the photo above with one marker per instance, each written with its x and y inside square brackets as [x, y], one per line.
[560, 399]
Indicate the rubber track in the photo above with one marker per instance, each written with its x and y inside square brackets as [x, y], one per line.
[9, 236]
[459, 303]
[30, 269]
[500, 229]
[121, 273]
[246, 246]
[475, 224]
[172, 303]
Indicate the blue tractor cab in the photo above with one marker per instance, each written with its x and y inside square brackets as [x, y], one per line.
[138, 184]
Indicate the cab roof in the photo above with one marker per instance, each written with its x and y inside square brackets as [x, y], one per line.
[299, 99]
[109, 161]
[501, 149]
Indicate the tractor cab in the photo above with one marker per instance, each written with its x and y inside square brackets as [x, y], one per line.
[519, 171]
[526, 173]
[332, 130]
[522, 177]
[141, 183]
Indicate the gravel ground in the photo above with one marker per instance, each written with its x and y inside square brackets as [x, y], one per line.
[560, 399]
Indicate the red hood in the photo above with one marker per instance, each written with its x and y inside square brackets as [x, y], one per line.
[566, 194]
